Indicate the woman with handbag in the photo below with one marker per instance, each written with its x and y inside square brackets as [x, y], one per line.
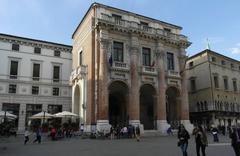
[183, 137]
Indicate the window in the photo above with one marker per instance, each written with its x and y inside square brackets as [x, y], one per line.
[57, 53]
[15, 47]
[14, 69]
[117, 18]
[223, 62]
[232, 65]
[80, 58]
[55, 91]
[37, 50]
[32, 109]
[36, 71]
[144, 25]
[53, 109]
[170, 61]
[118, 51]
[35, 90]
[193, 85]
[12, 88]
[213, 59]
[167, 30]
[215, 79]
[234, 85]
[205, 105]
[13, 108]
[56, 73]
[225, 81]
[191, 64]
[146, 56]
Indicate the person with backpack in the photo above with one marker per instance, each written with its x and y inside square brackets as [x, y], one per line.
[201, 140]
[235, 137]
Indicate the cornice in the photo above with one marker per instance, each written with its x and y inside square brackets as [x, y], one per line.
[35, 43]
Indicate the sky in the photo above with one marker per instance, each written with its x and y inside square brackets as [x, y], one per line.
[55, 20]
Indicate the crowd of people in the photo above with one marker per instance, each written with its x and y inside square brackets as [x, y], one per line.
[129, 131]
[201, 139]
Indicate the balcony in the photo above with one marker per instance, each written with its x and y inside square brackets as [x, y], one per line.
[79, 72]
[172, 73]
[120, 66]
[107, 19]
[149, 70]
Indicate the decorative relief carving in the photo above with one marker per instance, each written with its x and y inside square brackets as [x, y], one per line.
[24, 89]
[65, 92]
[45, 91]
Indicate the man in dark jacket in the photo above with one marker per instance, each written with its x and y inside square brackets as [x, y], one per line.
[235, 137]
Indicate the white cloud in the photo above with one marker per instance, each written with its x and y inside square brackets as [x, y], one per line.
[235, 50]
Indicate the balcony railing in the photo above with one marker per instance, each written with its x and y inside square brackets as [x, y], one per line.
[148, 69]
[173, 73]
[134, 25]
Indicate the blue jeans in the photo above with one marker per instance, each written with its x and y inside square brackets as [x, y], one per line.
[184, 147]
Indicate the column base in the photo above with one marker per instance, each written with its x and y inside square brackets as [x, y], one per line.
[136, 123]
[188, 126]
[87, 128]
[162, 126]
[103, 126]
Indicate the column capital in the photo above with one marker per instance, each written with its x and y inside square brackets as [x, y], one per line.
[134, 50]
[160, 53]
[104, 43]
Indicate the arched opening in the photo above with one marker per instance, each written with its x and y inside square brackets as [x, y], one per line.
[76, 105]
[147, 93]
[118, 101]
[173, 106]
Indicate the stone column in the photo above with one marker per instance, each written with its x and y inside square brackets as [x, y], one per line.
[21, 118]
[102, 120]
[134, 108]
[162, 124]
[184, 92]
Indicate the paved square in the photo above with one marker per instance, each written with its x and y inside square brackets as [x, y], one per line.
[148, 146]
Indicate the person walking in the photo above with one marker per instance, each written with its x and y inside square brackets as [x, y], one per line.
[215, 134]
[183, 137]
[137, 130]
[112, 133]
[38, 136]
[235, 137]
[26, 136]
[201, 140]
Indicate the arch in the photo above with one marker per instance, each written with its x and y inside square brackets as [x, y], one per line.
[173, 106]
[118, 103]
[147, 105]
[77, 98]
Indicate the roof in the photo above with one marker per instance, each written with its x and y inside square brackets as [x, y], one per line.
[35, 40]
[106, 6]
[212, 52]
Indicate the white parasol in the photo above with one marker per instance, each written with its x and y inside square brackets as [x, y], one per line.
[65, 114]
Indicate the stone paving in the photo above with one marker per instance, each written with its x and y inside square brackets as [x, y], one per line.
[148, 146]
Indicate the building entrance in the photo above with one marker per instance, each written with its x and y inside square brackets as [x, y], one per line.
[118, 103]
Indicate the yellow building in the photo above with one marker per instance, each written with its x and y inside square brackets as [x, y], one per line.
[213, 89]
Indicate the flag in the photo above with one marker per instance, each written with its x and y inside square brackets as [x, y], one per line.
[110, 60]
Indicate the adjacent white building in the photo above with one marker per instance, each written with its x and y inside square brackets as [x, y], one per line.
[34, 77]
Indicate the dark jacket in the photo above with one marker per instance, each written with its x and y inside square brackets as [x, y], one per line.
[233, 135]
[183, 136]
